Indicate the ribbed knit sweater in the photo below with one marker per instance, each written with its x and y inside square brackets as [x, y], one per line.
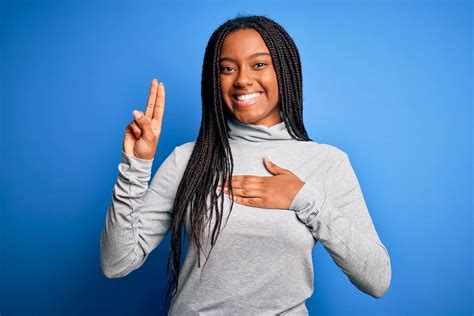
[261, 263]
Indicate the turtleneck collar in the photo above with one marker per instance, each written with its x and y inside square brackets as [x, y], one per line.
[257, 133]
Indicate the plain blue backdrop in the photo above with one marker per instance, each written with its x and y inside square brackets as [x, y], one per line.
[388, 82]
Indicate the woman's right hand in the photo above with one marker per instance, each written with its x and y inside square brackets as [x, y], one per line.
[143, 133]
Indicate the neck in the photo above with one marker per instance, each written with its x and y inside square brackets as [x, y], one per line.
[257, 133]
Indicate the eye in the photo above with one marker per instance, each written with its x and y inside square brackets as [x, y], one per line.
[262, 65]
[225, 69]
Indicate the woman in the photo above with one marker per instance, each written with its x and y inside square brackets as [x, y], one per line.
[262, 262]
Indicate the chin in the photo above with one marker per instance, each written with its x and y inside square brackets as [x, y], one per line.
[249, 120]
[246, 119]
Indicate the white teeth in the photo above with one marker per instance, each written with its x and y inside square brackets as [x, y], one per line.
[246, 97]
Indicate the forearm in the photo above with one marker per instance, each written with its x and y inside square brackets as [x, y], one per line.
[335, 212]
[360, 255]
[120, 250]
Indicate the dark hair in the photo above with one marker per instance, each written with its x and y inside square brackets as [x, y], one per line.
[211, 160]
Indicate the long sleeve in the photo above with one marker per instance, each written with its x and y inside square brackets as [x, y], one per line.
[138, 216]
[335, 212]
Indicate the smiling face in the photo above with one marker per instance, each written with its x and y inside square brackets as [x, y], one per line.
[249, 84]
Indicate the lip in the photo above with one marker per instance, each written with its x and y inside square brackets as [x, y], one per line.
[246, 104]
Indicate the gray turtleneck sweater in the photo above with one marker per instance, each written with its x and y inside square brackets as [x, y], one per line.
[261, 263]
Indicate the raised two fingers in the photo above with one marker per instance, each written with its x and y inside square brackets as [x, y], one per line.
[149, 126]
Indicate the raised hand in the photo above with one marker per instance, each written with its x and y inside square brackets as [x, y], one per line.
[143, 133]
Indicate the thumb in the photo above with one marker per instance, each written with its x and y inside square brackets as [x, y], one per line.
[274, 169]
[144, 125]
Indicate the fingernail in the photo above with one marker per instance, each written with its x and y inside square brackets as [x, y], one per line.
[161, 83]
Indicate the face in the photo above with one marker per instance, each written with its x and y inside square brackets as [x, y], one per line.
[249, 84]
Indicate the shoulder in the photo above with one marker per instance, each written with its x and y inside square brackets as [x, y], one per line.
[186, 148]
[183, 152]
[336, 153]
[175, 163]
[328, 152]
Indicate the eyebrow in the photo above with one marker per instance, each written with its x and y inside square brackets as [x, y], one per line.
[251, 56]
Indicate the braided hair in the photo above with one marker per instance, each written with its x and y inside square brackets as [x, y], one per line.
[211, 159]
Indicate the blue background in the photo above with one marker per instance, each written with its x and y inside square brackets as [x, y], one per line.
[388, 82]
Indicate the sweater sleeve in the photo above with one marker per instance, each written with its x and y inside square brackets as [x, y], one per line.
[335, 212]
[138, 216]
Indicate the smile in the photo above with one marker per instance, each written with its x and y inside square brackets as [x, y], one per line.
[246, 100]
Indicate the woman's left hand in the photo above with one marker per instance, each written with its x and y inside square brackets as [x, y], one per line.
[277, 191]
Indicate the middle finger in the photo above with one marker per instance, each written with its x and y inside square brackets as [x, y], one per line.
[247, 192]
[244, 184]
[151, 99]
[159, 107]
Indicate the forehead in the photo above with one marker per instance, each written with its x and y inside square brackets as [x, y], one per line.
[243, 43]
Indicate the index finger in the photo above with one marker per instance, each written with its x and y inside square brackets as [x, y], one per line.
[247, 178]
[151, 99]
[159, 103]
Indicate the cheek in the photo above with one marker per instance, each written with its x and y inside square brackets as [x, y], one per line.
[224, 88]
[275, 89]
[225, 92]
[271, 84]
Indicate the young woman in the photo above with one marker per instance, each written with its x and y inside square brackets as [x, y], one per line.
[275, 210]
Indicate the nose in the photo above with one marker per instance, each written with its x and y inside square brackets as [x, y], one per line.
[243, 79]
